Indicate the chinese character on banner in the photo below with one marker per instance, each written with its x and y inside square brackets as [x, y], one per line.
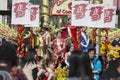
[109, 17]
[79, 13]
[34, 16]
[20, 12]
[96, 16]
[96, 12]
[80, 10]
[33, 13]
[20, 9]
[93, 15]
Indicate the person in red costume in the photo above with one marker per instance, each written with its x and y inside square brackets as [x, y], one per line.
[59, 49]
[71, 31]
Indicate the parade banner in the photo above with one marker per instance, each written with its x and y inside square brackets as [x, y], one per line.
[80, 13]
[109, 17]
[20, 12]
[93, 15]
[34, 16]
[61, 7]
[96, 15]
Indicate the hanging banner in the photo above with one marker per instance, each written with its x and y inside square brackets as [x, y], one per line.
[34, 16]
[61, 7]
[93, 15]
[20, 12]
[96, 15]
[109, 17]
[80, 13]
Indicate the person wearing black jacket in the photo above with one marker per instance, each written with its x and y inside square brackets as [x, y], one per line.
[113, 71]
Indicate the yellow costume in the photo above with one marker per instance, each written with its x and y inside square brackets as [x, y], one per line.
[102, 49]
[113, 53]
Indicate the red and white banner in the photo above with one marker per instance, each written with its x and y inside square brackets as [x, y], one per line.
[96, 15]
[61, 7]
[20, 12]
[109, 17]
[93, 15]
[80, 13]
[34, 16]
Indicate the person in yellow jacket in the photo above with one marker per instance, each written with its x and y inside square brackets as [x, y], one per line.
[103, 47]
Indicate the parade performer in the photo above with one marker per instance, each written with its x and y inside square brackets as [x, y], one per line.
[70, 31]
[45, 40]
[84, 40]
[59, 44]
[46, 35]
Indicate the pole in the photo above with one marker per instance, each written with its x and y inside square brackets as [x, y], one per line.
[98, 31]
[45, 11]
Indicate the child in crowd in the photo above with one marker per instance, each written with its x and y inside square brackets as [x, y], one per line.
[38, 72]
[50, 71]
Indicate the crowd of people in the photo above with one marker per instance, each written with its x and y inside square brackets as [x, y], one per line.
[80, 65]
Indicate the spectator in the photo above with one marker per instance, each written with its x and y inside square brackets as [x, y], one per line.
[116, 42]
[50, 71]
[8, 63]
[95, 64]
[29, 64]
[113, 72]
[80, 68]
[38, 72]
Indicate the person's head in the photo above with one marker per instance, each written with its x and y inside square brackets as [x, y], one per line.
[79, 65]
[59, 34]
[69, 20]
[44, 28]
[91, 53]
[110, 58]
[84, 28]
[29, 57]
[51, 65]
[8, 54]
[27, 47]
[103, 39]
[40, 61]
[70, 47]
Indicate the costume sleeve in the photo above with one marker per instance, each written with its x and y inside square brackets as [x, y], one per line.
[54, 41]
[40, 72]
